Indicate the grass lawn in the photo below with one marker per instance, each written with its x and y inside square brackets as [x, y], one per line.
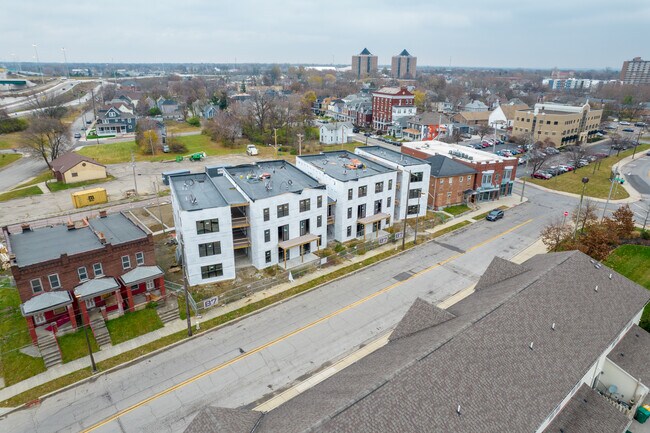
[456, 210]
[13, 140]
[598, 185]
[73, 346]
[133, 324]
[632, 262]
[20, 193]
[60, 186]
[14, 365]
[8, 158]
[173, 127]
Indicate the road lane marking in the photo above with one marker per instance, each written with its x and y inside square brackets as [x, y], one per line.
[258, 349]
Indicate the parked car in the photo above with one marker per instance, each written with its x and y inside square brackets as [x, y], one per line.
[355, 130]
[601, 155]
[251, 150]
[624, 123]
[542, 175]
[551, 151]
[367, 134]
[494, 215]
[165, 148]
[77, 135]
[640, 124]
[628, 130]
[566, 167]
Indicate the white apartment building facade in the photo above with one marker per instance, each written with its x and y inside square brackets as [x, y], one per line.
[413, 176]
[361, 193]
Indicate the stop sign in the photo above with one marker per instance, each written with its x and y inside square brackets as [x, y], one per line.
[566, 213]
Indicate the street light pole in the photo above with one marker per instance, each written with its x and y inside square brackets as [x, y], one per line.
[90, 352]
[65, 60]
[135, 182]
[415, 239]
[300, 144]
[406, 210]
[584, 185]
[609, 196]
[38, 64]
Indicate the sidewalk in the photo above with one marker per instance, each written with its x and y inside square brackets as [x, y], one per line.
[181, 325]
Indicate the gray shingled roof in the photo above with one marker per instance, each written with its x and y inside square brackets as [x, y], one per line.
[632, 354]
[481, 359]
[96, 287]
[68, 160]
[141, 273]
[499, 270]
[216, 419]
[442, 166]
[588, 412]
[420, 316]
[46, 301]
[365, 52]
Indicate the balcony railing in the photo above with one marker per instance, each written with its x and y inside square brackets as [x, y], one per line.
[238, 222]
[330, 219]
[241, 243]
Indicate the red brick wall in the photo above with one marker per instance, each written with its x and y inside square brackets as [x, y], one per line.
[441, 190]
[66, 266]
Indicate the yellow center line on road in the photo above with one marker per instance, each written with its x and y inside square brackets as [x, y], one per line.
[294, 332]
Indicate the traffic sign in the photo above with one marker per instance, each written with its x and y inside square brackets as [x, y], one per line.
[566, 213]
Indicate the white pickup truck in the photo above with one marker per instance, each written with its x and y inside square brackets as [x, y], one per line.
[251, 150]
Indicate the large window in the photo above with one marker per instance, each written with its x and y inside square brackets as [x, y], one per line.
[486, 179]
[55, 283]
[305, 205]
[98, 270]
[267, 235]
[207, 226]
[377, 206]
[349, 212]
[361, 211]
[267, 215]
[319, 201]
[209, 249]
[267, 256]
[283, 210]
[283, 233]
[412, 210]
[211, 271]
[126, 262]
[379, 186]
[388, 202]
[416, 177]
[37, 287]
[415, 193]
[363, 191]
[139, 258]
[83, 273]
[349, 231]
[319, 221]
[390, 184]
[350, 192]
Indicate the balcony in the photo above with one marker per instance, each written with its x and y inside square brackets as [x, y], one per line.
[239, 222]
[330, 219]
[239, 243]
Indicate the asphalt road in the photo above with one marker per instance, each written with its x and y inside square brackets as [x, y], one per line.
[17, 172]
[246, 362]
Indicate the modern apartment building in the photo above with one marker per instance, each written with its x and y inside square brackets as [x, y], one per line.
[361, 192]
[259, 214]
[390, 104]
[562, 124]
[403, 66]
[364, 63]
[412, 187]
[635, 71]
[494, 176]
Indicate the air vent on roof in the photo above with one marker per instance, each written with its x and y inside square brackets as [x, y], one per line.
[610, 276]
[458, 410]
[553, 326]
[531, 345]
[268, 185]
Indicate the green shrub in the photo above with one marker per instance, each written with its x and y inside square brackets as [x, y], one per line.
[645, 234]
[339, 247]
[155, 111]
[12, 124]
[194, 121]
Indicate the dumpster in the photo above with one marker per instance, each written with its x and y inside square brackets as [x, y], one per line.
[642, 415]
[89, 197]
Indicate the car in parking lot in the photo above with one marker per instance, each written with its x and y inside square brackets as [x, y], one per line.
[566, 167]
[624, 123]
[628, 130]
[640, 124]
[542, 175]
[494, 215]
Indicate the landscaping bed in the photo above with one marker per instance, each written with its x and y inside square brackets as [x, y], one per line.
[20, 193]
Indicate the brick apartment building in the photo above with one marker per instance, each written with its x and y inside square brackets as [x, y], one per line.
[364, 63]
[451, 182]
[562, 124]
[390, 104]
[96, 267]
[403, 66]
[494, 177]
[635, 71]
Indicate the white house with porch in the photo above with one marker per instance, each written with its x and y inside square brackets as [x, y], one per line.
[363, 191]
[335, 133]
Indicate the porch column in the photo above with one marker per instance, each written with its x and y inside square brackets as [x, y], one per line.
[73, 319]
[32, 331]
[161, 284]
[120, 302]
[129, 296]
[84, 312]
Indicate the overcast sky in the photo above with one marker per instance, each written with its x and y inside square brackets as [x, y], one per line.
[507, 33]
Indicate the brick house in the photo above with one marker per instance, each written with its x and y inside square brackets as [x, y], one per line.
[451, 182]
[390, 104]
[495, 174]
[71, 272]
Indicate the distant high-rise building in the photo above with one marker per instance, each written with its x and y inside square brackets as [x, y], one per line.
[364, 63]
[636, 71]
[403, 65]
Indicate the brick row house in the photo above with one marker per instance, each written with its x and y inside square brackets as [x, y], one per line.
[390, 104]
[78, 273]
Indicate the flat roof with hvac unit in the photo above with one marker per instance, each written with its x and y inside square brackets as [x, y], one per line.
[343, 165]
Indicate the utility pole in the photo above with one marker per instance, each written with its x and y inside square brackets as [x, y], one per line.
[135, 182]
[415, 239]
[38, 64]
[584, 185]
[186, 293]
[275, 137]
[153, 152]
[92, 93]
[609, 196]
[638, 138]
[65, 60]
[523, 187]
[300, 144]
[647, 213]
[155, 188]
[90, 352]
[406, 209]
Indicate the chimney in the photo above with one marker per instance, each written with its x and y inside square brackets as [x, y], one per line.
[70, 225]
[101, 237]
[25, 227]
[102, 214]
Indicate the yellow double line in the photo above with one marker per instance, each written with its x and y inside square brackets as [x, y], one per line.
[292, 333]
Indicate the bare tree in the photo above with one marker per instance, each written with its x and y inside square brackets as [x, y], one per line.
[537, 156]
[554, 234]
[585, 215]
[49, 137]
[224, 127]
[482, 130]
[575, 154]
